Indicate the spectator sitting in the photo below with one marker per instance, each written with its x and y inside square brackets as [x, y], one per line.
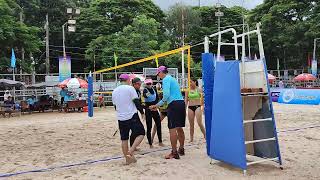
[31, 102]
[281, 84]
[101, 100]
[81, 97]
[9, 105]
[68, 97]
[6, 95]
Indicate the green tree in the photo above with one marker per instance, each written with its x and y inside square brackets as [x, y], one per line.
[288, 29]
[138, 40]
[105, 17]
[180, 22]
[14, 34]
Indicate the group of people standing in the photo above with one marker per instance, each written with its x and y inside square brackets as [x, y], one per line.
[128, 100]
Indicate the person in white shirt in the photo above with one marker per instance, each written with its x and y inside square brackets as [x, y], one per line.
[281, 84]
[126, 102]
[6, 95]
[81, 97]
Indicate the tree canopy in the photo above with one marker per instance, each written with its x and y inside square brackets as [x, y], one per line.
[134, 29]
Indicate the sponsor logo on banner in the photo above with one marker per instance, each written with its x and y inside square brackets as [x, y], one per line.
[288, 96]
[300, 96]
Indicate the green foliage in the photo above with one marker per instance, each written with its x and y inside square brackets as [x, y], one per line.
[137, 40]
[288, 29]
[135, 29]
[180, 22]
[14, 34]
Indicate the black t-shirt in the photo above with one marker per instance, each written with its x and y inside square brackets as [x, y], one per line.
[139, 94]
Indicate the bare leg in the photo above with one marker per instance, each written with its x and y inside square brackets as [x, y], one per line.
[199, 120]
[181, 137]
[191, 115]
[173, 139]
[128, 154]
[125, 147]
[136, 143]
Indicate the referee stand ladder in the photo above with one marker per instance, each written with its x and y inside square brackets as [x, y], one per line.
[240, 120]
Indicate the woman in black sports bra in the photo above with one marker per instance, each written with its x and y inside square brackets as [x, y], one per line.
[193, 99]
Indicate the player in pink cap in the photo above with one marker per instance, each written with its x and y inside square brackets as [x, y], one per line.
[151, 97]
[176, 111]
[126, 102]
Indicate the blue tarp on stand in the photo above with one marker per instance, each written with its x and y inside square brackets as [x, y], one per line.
[208, 77]
[227, 132]
[300, 96]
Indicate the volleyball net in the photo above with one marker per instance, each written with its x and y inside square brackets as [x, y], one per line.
[157, 58]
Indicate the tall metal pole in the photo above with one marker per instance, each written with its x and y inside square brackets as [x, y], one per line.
[243, 37]
[219, 14]
[94, 61]
[182, 52]
[315, 48]
[314, 68]
[206, 44]
[249, 41]
[63, 40]
[47, 45]
[22, 48]
[33, 69]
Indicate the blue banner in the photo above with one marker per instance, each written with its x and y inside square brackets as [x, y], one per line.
[300, 96]
[13, 59]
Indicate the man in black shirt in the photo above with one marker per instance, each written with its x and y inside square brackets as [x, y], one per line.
[136, 83]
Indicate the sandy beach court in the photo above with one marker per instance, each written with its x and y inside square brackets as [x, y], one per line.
[47, 140]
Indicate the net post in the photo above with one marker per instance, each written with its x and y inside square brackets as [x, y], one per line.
[189, 66]
[157, 62]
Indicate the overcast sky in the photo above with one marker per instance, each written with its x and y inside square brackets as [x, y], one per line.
[164, 4]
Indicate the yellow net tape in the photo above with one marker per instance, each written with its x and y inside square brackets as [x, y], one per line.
[154, 57]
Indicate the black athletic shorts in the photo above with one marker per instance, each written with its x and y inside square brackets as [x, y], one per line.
[176, 114]
[134, 124]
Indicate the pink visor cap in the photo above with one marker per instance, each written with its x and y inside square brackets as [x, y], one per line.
[124, 76]
[161, 69]
[148, 81]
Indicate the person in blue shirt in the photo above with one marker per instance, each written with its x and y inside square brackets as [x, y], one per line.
[63, 94]
[31, 102]
[176, 111]
[68, 97]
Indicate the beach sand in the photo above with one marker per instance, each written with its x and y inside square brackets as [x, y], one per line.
[46, 140]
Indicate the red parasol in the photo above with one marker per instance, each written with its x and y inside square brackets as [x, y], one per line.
[271, 78]
[74, 83]
[305, 77]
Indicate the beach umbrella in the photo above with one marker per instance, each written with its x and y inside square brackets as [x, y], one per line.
[10, 83]
[271, 78]
[132, 76]
[74, 83]
[305, 77]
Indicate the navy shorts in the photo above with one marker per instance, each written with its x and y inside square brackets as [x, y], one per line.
[176, 114]
[134, 124]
